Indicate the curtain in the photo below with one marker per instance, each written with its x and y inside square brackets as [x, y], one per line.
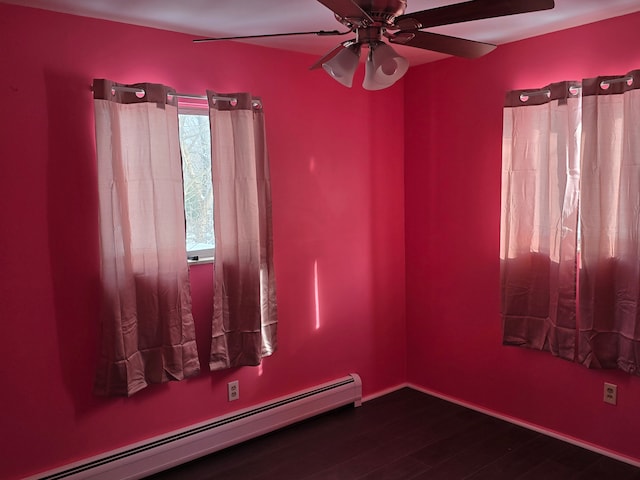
[573, 147]
[244, 322]
[147, 330]
[539, 218]
[610, 224]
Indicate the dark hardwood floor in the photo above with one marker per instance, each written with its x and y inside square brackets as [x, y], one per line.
[403, 435]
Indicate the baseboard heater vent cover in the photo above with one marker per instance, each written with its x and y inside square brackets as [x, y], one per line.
[166, 451]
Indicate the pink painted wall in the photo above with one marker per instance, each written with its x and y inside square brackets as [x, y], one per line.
[339, 193]
[453, 124]
[338, 201]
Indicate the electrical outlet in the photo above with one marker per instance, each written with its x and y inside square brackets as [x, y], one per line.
[233, 390]
[610, 393]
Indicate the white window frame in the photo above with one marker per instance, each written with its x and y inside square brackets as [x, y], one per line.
[205, 255]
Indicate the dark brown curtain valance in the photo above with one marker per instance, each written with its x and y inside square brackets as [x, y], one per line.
[134, 93]
[540, 96]
[611, 85]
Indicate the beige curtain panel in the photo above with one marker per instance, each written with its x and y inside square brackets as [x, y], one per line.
[147, 330]
[610, 222]
[245, 315]
[539, 218]
[572, 150]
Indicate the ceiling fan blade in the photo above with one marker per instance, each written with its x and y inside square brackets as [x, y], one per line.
[442, 44]
[348, 9]
[331, 54]
[468, 11]
[321, 33]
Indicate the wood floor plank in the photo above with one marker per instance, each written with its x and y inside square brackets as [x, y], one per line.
[521, 460]
[404, 468]
[451, 445]
[356, 453]
[393, 445]
[609, 468]
[400, 436]
[570, 461]
[499, 440]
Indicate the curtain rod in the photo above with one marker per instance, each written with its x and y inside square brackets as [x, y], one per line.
[628, 78]
[533, 93]
[225, 98]
[182, 95]
[604, 84]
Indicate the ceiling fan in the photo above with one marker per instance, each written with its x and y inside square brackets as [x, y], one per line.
[374, 20]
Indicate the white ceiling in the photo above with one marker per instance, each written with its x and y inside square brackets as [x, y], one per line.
[252, 17]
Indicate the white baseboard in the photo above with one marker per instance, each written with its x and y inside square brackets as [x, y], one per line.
[384, 392]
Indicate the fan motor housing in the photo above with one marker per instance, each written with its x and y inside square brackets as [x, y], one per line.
[383, 11]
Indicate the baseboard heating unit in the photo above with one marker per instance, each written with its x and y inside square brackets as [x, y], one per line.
[166, 451]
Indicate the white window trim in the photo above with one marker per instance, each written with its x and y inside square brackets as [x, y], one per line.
[201, 256]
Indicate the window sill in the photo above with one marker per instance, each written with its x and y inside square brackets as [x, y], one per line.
[200, 261]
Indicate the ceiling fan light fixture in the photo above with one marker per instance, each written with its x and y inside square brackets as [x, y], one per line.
[343, 66]
[384, 67]
[373, 20]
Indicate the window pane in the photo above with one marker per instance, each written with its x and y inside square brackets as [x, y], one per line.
[195, 143]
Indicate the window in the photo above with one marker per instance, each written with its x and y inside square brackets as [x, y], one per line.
[140, 138]
[195, 145]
